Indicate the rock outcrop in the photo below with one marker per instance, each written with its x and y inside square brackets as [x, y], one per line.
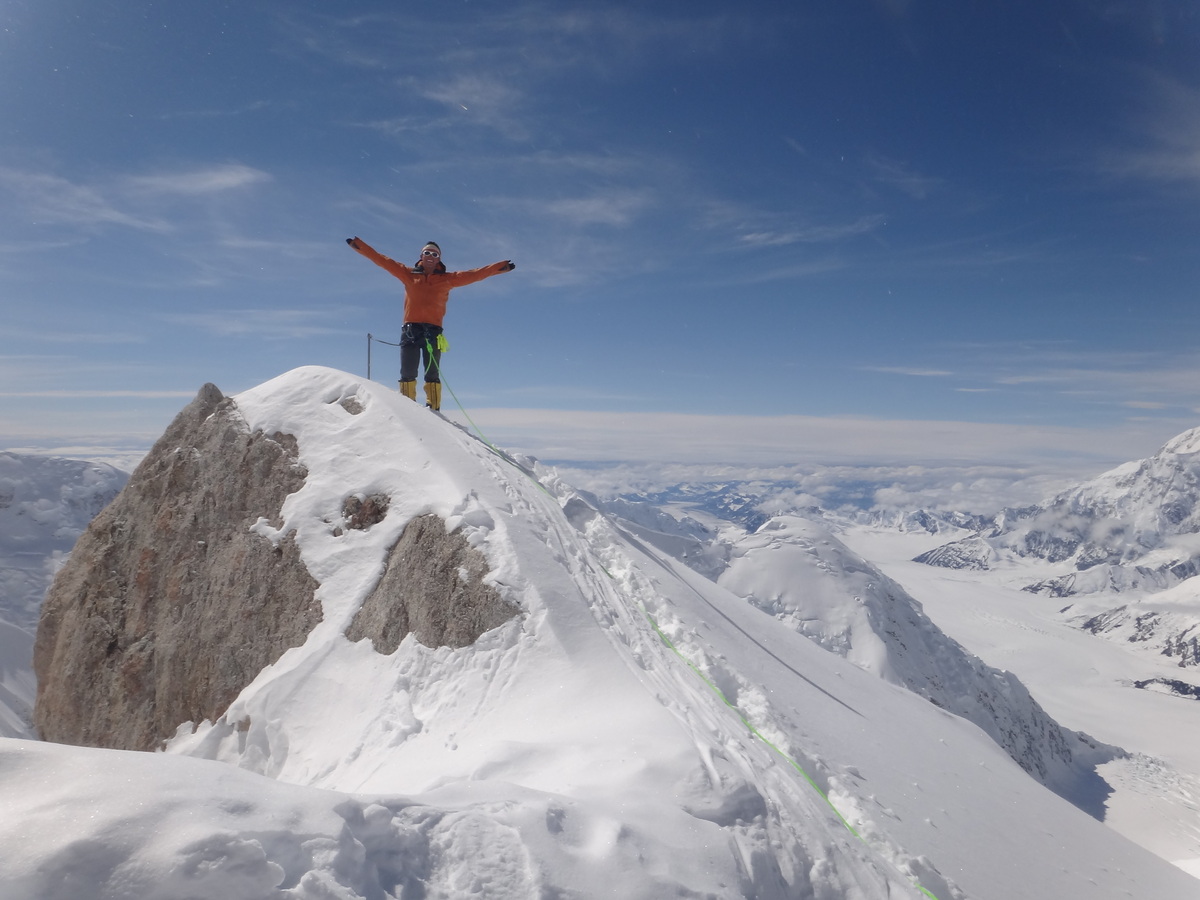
[432, 587]
[172, 601]
[170, 605]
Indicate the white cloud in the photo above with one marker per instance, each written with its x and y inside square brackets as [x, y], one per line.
[898, 175]
[50, 199]
[980, 489]
[1166, 142]
[1135, 379]
[196, 182]
[75, 394]
[810, 440]
[128, 201]
[815, 234]
[612, 208]
[907, 370]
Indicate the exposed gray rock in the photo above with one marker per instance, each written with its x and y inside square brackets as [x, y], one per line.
[432, 586]
[1175, 634]
[968, 553]
[169, 605]
[361, 513]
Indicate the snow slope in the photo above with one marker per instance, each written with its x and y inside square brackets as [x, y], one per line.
[793, 568]
[638, 732]
[1084, 681]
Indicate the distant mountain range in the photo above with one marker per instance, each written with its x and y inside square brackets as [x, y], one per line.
[1134, 529]
[789, 724]
[45, 505]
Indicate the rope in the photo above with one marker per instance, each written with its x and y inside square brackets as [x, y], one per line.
[432, 356]
[487, 443]
[753, 730]
[758, 734]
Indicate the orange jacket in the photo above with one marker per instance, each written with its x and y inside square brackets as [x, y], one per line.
[426, 293]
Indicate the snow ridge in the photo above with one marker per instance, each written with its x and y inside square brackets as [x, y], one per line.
[568, 753]
[795, 570]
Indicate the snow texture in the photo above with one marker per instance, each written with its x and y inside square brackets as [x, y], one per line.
[638, 731]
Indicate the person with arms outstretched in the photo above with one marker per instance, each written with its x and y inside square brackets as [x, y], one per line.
[427, 287]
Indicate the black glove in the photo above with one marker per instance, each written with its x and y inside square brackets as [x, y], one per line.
[509, 266]
[353, 242]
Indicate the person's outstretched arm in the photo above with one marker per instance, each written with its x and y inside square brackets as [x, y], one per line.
[384, 262]
[470, 276]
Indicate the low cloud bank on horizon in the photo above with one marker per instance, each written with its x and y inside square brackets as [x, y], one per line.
[789, 440]
[964, 465]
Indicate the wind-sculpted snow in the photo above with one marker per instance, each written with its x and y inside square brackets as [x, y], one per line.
[636, 732]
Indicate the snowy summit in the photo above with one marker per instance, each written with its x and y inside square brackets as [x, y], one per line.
[634, 731]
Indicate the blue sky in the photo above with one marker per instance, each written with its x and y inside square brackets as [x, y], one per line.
[887, 212]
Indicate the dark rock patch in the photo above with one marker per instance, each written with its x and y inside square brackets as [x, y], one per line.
[433, 587]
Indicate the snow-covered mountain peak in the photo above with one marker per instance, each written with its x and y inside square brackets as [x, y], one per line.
[797, 571]
[637, 731]
[1187, 443]
[1132, 527]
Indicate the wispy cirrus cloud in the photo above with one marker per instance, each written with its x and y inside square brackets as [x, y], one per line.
[808, 440]
[915, 371]
[1148, 381]
[1165, 135]
[901, 177]
[815, 234]
[68, 335]
[72, 394]
[616, 208]
[129, 201]
[51, 199]
[215, 113]
[197, 182]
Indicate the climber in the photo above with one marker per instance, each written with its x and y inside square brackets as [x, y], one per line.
[427, 287]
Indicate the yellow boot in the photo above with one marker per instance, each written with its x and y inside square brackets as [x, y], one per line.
[409, 389]
[433, 394]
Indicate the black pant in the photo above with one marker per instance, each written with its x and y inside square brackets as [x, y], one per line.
[418, 343]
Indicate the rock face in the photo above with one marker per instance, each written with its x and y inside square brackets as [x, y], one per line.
[432, 586]
[169, 605]
[171, 602]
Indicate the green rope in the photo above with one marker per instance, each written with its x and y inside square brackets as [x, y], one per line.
[438, 367]
[500, 453]
[753, 730]
[662, 635]
[758, 734]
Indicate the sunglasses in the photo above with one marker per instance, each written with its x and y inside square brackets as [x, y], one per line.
[432, 254]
